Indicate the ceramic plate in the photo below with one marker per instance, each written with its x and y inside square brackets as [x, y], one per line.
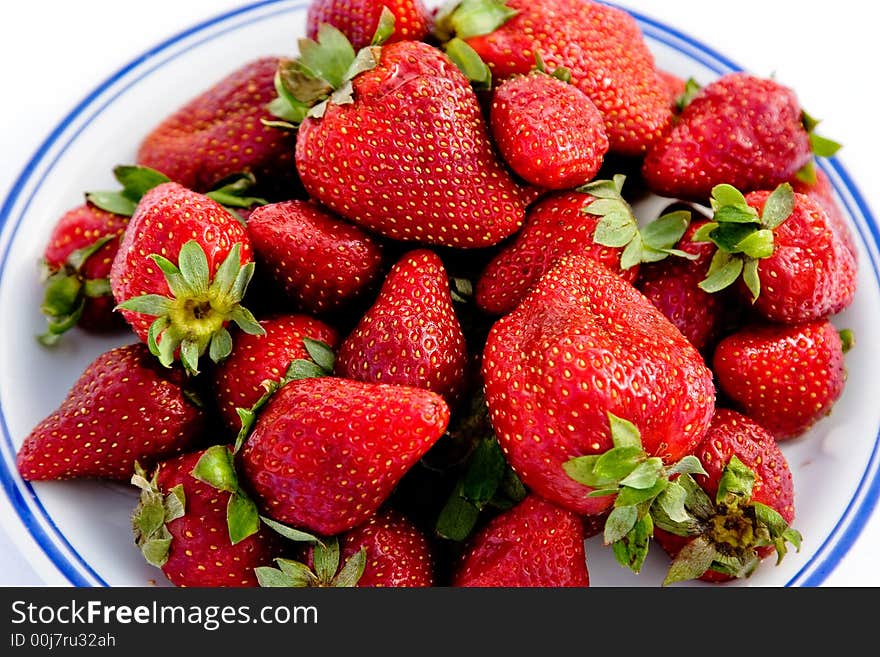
[79, 532]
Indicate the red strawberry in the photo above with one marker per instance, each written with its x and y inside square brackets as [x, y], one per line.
[534, 544]
[254, 359]
[794, 266]
[219, 133]
[180, 272]
[320, 261]
[326, 452]
[675, 86]
[77, 261]
[821, 191]
[359, 19]
[786, 378]
[740, 509]
[584, 344]
[547, 130]
[411, 334]
[123, 408]
[673, 285]
[419, 164]
[559, 224]
[602, 46]
[180, 526]
[741, 130]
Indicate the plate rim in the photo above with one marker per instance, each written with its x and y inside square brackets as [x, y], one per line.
[38, 523]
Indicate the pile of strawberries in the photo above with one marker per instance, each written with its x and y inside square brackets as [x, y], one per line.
[395, 323]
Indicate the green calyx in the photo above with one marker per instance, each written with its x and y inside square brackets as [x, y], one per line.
[619, 228]
[470, 18]
[193, 319]
[691, 89]
[637, 481]
[321, 364]
[327, 571]
[469, 62]
[821, 147]
[67, 291]
[323, 73]
[742, 237]
[153, 512]
[727, 533]
[216, 468]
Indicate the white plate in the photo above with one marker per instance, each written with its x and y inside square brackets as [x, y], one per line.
[79, 532]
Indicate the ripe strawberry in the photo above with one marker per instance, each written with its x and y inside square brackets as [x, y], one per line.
[786, 378]
[320, 261]
[411, 334]
[183, 307]
[77, 261]
[547, 130]
[420, 165]
[602, 46]
[180, 525]
[822, 191]
[254, 359]
[736, 513]
[675, 86]
[219, 133]
[582, 344]
[742, 130]
[533, 544]
[326, 452]
[673, 286]
[358, 20]
[123, 408]
[794, 265]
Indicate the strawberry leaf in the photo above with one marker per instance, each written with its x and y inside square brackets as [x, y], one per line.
[457, 518]
[723, 272]
[631, 550]
[470, 18]
[469, 63]
[384, 28]
[779, 206]
[328, 58]
[351, 572]
[321, 353]
[694, 559]
[242, 517]
[289, 532]
[216, 468]
[619, 523]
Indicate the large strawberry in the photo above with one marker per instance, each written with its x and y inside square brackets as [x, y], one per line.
[584, 344]
[359, 20]
[326, 452]
[182, 268]
[743, 130]
[547, 130]
[411, 334]
[534, 544]
[220, 132]
[321, 262]
[180, 525]
[238, 381]
[602, 46]
[77, 261]
[793, 264]
[415, 160]
[786, 378]
[720, 524]
[123, 408]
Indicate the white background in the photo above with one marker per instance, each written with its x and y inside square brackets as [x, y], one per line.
[54, 53]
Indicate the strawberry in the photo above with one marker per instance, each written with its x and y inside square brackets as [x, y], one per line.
[733, 514]
[419, 163]
[793, 264]
[673, 285]
[534, 544]
[547, 130]
[326, 452]
[76, 263]
[742, 130]
[819, 187]
[675, 86]
[594, 220]
[237, 381]
[584, 344]
[180, 525]
[411, 334]
[321, 262]
[180, 308]
[359, 20]
[786, 378]
[123, 408]
[219, 133]
[602, 47]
